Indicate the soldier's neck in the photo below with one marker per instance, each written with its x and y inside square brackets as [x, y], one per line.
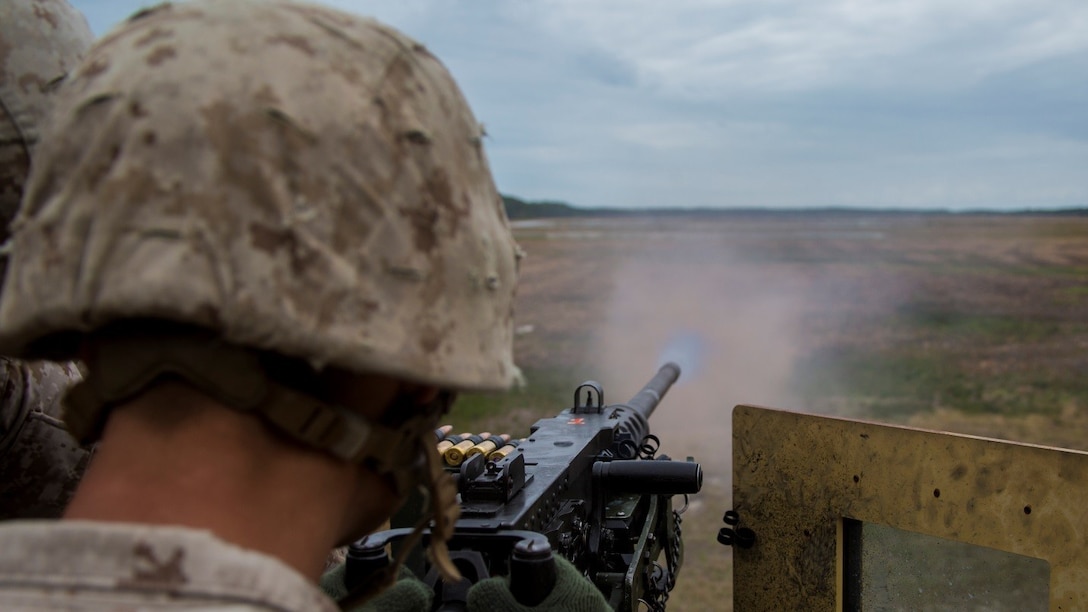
[176, 457]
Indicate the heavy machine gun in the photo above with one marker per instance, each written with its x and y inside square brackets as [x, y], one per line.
[587, 484]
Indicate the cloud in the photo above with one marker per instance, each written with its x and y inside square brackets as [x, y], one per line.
[705, 48]
[976, 103]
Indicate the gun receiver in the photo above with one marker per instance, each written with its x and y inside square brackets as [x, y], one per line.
[585, 483]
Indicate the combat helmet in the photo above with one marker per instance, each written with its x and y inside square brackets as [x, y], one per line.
[40, 41]
[295, 178]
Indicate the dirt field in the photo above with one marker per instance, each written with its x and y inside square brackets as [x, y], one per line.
[976, 324]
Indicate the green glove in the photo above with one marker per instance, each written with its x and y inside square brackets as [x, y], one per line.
[572, 593]
[408, 594]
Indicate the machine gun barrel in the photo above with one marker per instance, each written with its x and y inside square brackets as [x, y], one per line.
[634, 416]
[646, 400]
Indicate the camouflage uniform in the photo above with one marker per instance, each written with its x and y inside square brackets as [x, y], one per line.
[292, 181]
[84, 565]
[40, 464]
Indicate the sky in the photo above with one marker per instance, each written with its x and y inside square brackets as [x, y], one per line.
[932, 104]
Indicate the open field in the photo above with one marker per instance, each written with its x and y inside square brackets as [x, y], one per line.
[968, 323]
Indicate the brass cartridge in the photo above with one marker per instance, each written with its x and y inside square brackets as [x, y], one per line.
[455, 455]
[487, 445]
[505, 450]
[450, 440]
[441, 433]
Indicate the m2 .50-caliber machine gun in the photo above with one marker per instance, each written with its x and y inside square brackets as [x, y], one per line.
[587, 484]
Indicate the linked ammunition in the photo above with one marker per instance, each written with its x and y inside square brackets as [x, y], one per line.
[505, 450]
[450, 440]
[441, 433]
[487, 445]
[455, 455]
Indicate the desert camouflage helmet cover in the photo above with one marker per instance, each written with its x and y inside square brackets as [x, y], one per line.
[300, 179]
[40, 40]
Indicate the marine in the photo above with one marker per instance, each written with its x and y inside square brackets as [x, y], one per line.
[269, 232]
[40, 463]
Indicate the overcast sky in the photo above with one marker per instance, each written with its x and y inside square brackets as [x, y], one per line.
[960, 104]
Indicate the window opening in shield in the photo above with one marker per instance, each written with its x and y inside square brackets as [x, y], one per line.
[885, 568]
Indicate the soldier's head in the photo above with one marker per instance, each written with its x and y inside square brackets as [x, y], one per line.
[267, 200]
[40, 41]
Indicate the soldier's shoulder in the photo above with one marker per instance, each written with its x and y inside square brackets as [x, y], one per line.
[40, 463]
[87, 565]
[47, 382]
